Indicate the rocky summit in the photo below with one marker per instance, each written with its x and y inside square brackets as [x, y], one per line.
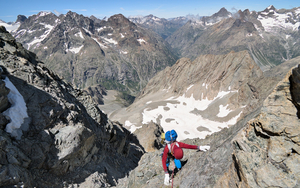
[61, 138]
[114, 53]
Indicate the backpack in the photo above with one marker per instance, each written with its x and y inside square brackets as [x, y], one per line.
[175, 150]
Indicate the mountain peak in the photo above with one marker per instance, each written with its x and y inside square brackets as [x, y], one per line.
[43, 13]
[21, 18]
[271, 7]
[70, 13]
[118, 19]
[222, 13]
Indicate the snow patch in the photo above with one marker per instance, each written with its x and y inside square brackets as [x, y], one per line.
[133, 127]
[189, 87]
[261, 35]
[87, 31]
[223, 111]
[141, 41]
[101, 28]
[277, 20]
[17, 112]
[177, 114]
[42, 37]
[10, 27]
[101, 45]
[79, 34]
[111, 41]
[75, 49]
[297, 11]
[43, 13]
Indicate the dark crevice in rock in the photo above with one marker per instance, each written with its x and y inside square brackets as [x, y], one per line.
[237, 145]
[295, 89]
[236, 166]
[294, 151]
[265, 134]
[280, 165]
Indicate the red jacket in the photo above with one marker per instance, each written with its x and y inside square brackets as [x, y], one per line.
[166, 151]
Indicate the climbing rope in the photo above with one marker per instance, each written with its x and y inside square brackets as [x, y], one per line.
[173, 173]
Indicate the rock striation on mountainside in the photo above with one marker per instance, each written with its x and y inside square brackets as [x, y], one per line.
[115, 53]
[261, 150]
[66, 140]
[271, 36]
[164, 27]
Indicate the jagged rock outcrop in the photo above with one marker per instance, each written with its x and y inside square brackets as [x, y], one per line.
[260, 150]
[115, 53]
[267, 151]
[96, 92]
[150, 141]
[66, 140]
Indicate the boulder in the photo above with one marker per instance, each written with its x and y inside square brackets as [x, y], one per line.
[151, 140]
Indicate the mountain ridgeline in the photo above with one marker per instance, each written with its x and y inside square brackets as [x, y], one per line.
[123, 54]
[271, 36]
[114, 53]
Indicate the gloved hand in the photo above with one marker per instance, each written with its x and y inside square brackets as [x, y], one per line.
[167, 179]
[204, 148]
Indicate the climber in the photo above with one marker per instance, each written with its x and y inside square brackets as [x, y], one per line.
[173, 150]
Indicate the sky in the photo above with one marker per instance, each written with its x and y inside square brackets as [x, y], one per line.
[10, 9]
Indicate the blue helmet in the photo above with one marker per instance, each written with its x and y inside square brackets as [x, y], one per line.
[171, 135]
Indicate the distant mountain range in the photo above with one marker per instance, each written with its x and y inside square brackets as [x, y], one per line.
[114, 53]
[123, 54]
[271, 36]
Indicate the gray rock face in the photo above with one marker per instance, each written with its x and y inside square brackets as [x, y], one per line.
[266, 151]
[69, 141]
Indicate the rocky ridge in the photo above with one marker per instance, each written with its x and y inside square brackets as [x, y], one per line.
[115, 53]
[260, 150]
[68, 140]
[269, 44]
